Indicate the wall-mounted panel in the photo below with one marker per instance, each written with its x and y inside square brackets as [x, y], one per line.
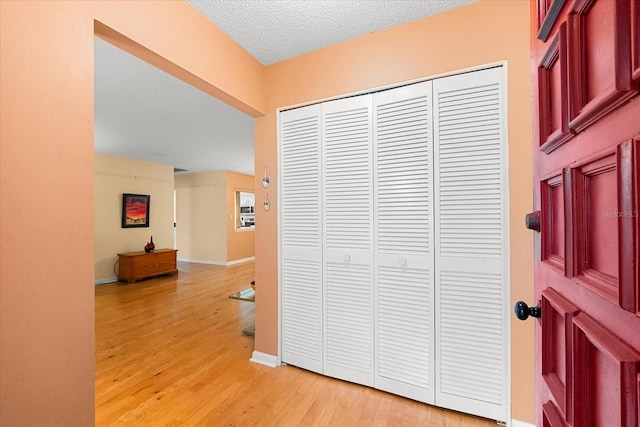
[599, 47]
[594, 227]
[553, 217]
[604, 376]
[557, 346]
[552, 94]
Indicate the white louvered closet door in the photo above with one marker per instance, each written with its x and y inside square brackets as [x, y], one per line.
[301, 238]
[348, 246]
[471, 243]
[403, 159]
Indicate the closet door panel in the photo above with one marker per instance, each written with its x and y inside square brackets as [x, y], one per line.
[403, 138]
[348, 340]
[348, 223]
[301, 238]
[471, 244]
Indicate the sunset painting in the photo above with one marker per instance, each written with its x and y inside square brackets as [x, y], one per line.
[135, 210]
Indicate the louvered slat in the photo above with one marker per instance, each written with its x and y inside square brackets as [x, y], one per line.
[403, 241]
[347, 179]
[404, 340]
[349, 319]
[301, 228]
[470, 255]
[301, 313]
[470, 185]
[300, 145]
[403, 132]
[470, 346]
[348, 223]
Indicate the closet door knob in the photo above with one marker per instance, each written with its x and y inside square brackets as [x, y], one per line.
[402, 261]
[346, 258]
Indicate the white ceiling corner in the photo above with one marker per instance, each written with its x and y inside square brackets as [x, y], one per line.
[143, 113]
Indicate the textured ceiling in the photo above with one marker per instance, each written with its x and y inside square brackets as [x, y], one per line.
[274, 30]
[146, 114]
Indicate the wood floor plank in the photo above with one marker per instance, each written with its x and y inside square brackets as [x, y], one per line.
[169, 352]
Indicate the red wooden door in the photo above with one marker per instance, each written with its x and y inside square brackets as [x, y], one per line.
[586, 73]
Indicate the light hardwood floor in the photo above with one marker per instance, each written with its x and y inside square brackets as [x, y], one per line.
[169, 352]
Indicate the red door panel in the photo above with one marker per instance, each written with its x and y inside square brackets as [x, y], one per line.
[635, 39]
[557, 348]
[554, 101]
[552, 201]
[599, 59]
[586, 73]
[594, 225]
[638, 393]
[551, 417]
[605, 375]
[628, 160]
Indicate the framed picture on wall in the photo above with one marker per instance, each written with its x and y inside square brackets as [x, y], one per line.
[135, 210]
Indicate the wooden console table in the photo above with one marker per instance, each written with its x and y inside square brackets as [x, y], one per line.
[141, 265]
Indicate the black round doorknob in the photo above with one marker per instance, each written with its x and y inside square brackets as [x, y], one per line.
[532, 221]
[523, 311]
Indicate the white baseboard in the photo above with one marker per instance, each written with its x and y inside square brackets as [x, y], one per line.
[516, 423]
[107, 280]
[240, 261]
[202, 261]
[264, 359]
[223, 263]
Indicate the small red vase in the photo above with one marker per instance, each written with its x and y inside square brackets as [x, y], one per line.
[149, 247]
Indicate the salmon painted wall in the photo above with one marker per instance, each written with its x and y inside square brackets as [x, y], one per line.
[240, 243]
[115, 175]
[47, 258]
[481, 33]
[46, 215]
